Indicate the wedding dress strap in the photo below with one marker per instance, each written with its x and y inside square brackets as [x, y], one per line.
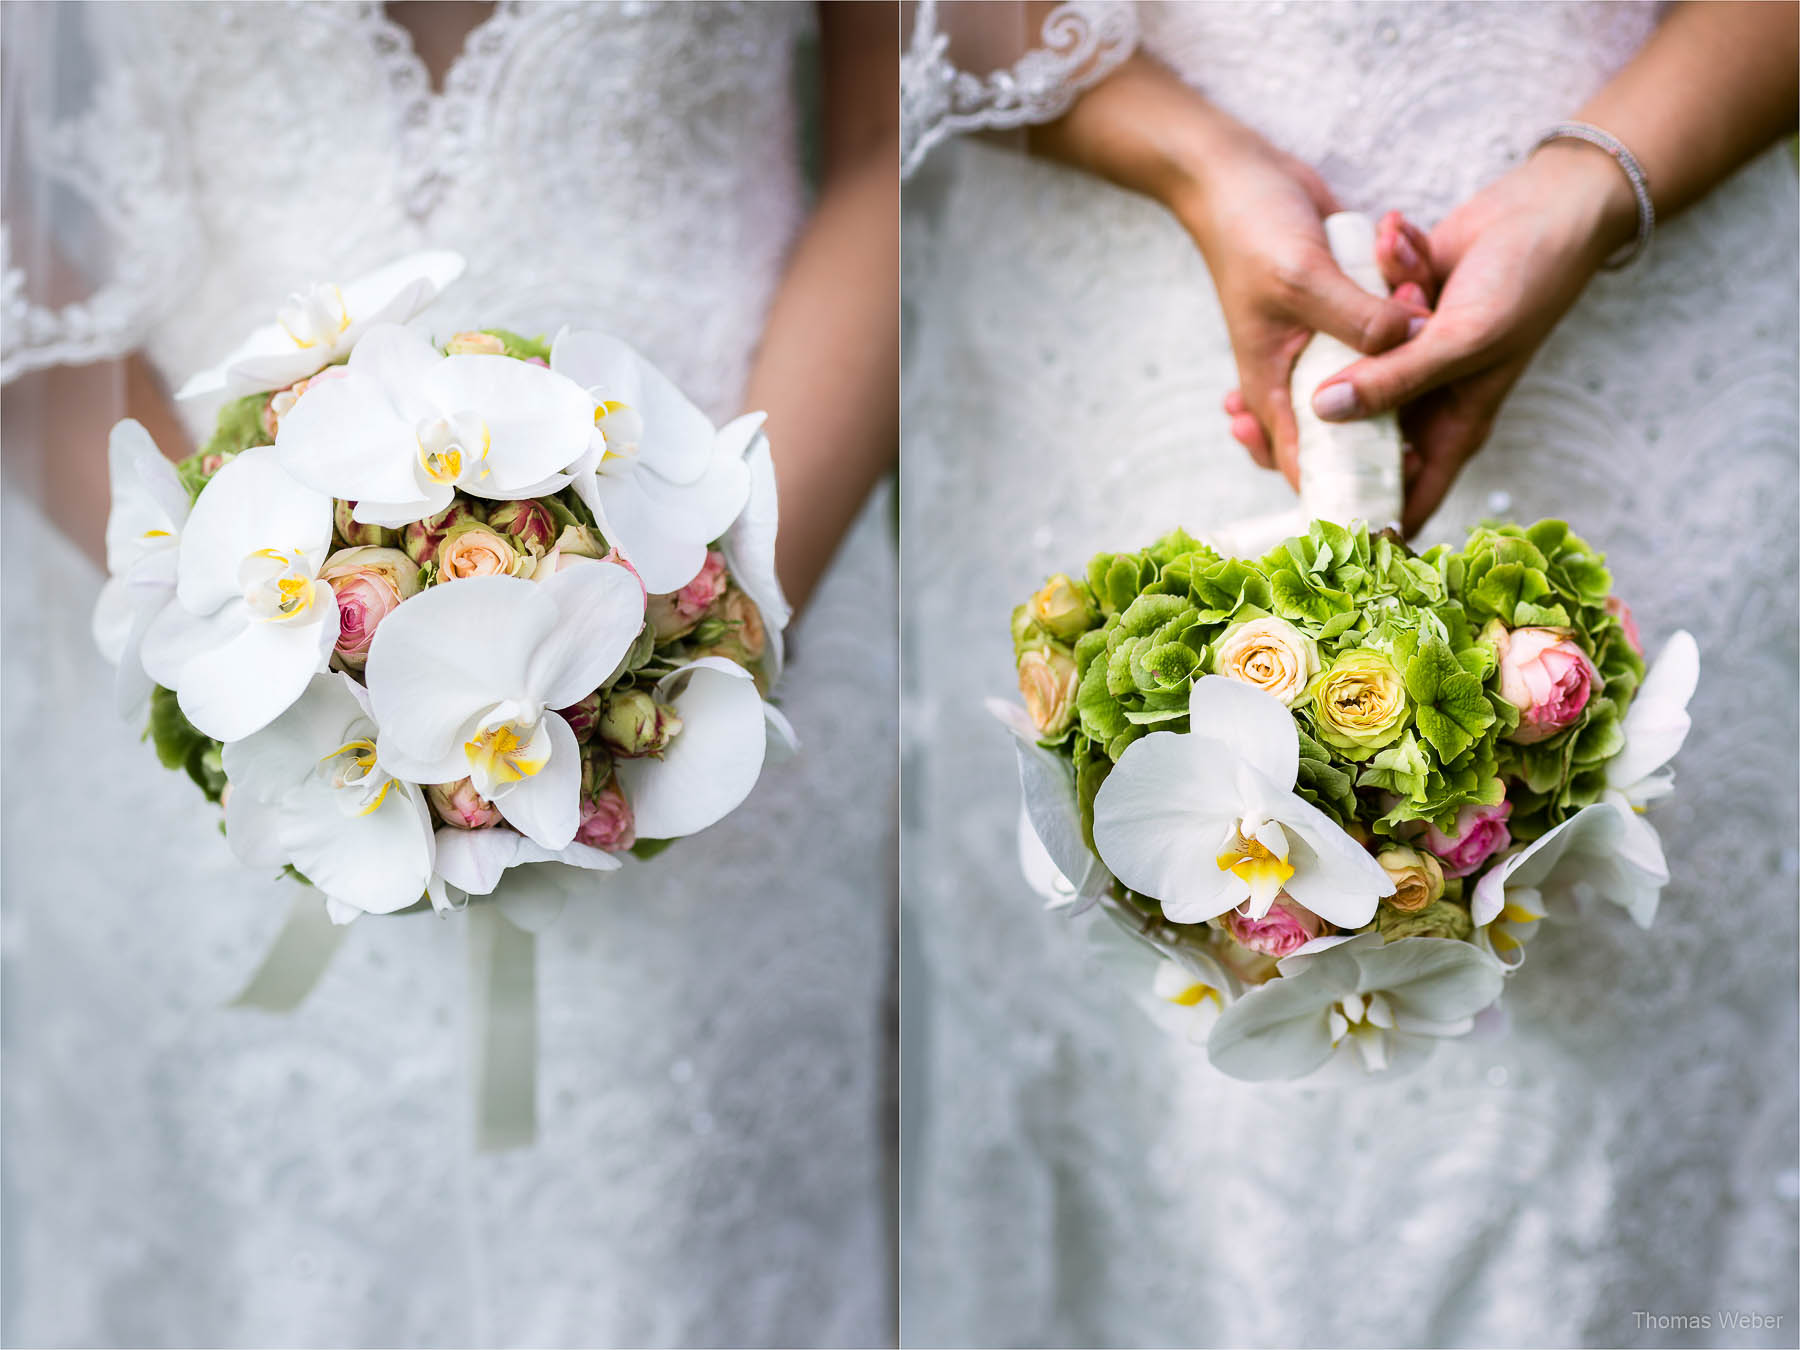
[1081, 42]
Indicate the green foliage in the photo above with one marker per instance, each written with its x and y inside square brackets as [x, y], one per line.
[181, 745]
[521, 348]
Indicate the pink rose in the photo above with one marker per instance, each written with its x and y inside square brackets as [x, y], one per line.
[583, 717]
[1287, 925]
[606, 821]
[460, 805]
[1480, 833]
[1622, 612]
[370, 584]
[529, 523]
[1547, 678]
[675, 615]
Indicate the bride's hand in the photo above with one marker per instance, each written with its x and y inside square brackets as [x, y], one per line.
[1401, 251]
[1514, 258]
[1258, 217]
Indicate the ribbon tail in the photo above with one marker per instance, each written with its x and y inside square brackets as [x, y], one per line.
[503, 1025]
[297, 958]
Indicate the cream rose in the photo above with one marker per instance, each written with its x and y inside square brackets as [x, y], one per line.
[1047, 679]
[1061, 608]
[1269, 653]
[475, 551]
[1418, 878]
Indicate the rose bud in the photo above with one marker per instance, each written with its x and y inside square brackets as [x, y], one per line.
[421, 538]
[575, 541]
[474, 344]
[1047, 680]
[675, 615]
[740, 635]
[1418, 880]
[596, 768]
[460, 805]
[606, 821]
[1622, 612]
[473, 550]
[1548, 678]
[1480, 833]
[356, 535]
[370, 584]
[1062, 609]
[211, 464]
[1441, 919]
[528, 524]
[1287, 925]
[583, 717]
[635, 724]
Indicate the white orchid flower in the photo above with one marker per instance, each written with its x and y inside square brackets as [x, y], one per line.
[1389, 1001]
[1208, 821]
[749, 544]
[320, 325]
[1056, 860]
[309, 789]
[251, 622]
[661, 482]
[477, 861]
[714, 760]
[463, 679]
[1608, 848]
[405, 427]
[143, 538]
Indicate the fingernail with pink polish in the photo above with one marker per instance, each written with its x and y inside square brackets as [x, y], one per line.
[1413, 327]
[1337, 402]
[1404, 252]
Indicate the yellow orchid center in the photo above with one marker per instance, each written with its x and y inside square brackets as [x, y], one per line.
[621, 428]
[1251, 862]
[503, 754]
[158, 534]
[278, 584]
[449, 444]
[315, 317]
[352, 767]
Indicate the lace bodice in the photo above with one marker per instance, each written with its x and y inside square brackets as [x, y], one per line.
[709, 1168]
[1074, 1176]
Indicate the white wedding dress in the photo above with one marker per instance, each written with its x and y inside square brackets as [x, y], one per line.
[1071, 1175]
[710, 1163]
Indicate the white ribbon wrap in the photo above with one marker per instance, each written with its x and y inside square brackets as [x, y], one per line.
[1348, 470]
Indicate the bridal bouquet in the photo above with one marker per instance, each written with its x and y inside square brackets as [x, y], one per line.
[1335, 789]
[440, 622]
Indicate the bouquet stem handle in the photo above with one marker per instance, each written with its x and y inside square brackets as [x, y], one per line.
[296, 959]
[503, 1026]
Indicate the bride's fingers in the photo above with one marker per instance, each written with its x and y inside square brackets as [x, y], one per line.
[1403, 254]
[1382, 383]
[1412, 295]
[1235, 405]
[1248, 432]
[1332, 303]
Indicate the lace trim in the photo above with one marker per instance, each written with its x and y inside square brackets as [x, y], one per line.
[1083, 40]
[127, 173]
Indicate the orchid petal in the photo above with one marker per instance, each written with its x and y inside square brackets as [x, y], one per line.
[711, 766]
[250, 504]
[379, 862]
[344, 437]
[1281, 1030]
[1160, 820]
[546, 807]
[474, 860]
[1657, 722]
[1432, 979]
[534, 895]
[677, 438]
[448, 654]
[174, 636]
[146, 495]
[538, 422]
[289, 749]
[253, 829]
[244, 684]
[1255, 725]
[600, 611]
[1334, 876]
[749, 545]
